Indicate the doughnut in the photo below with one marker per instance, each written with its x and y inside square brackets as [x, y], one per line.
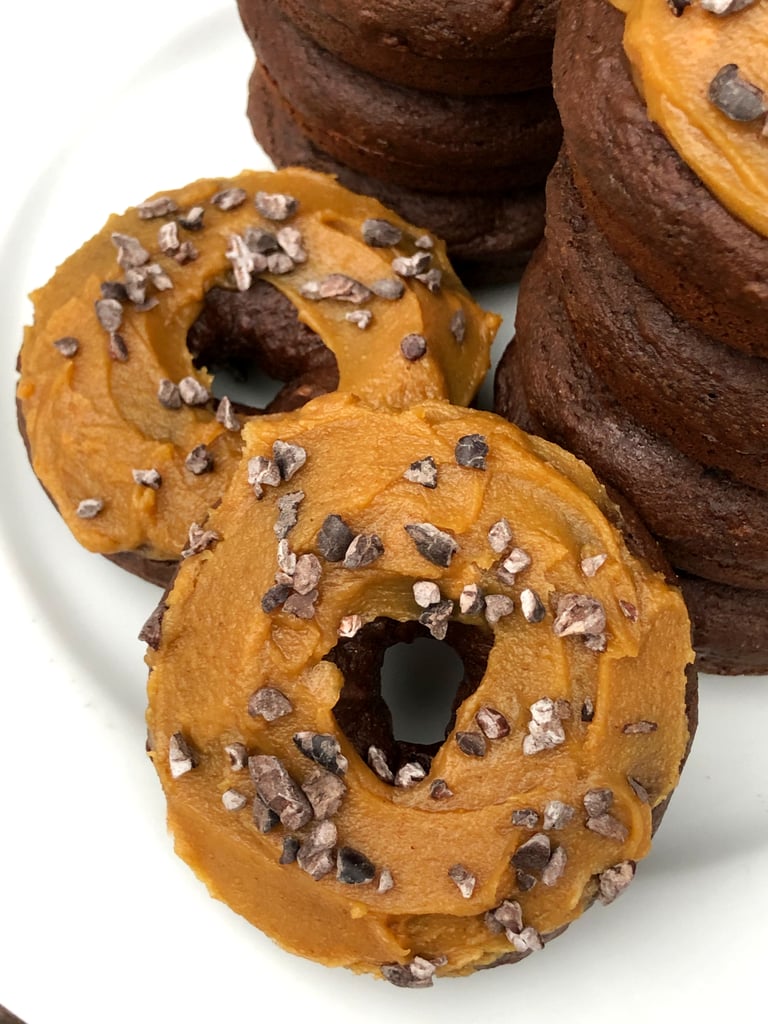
[407, 137]
[464, 49]
[289, 793]
[116, 411]
[708, 266]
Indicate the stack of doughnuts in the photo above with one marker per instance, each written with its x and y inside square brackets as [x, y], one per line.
[443, 111]
[300, 544]
[642, 343]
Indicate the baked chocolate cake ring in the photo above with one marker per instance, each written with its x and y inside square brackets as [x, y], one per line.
[121, 427]
[709, 525]
[464, 49]
[708, 265]
[408, 137]
[488, 236]
[288, 792]
[707, 399]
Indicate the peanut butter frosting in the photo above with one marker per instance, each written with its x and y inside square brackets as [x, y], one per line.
[121, 425]
[566, 739]
[702, 68]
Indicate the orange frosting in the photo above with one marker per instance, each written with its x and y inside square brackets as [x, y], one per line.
[91, 419]
[623, 710]
[674, 60]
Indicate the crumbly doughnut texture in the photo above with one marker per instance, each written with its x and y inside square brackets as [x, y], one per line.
[121, 425]
[287, 792]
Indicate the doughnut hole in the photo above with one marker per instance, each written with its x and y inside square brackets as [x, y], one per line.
[362, 711]
[256, 335]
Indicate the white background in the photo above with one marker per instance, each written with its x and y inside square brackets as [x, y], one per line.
[101, 105]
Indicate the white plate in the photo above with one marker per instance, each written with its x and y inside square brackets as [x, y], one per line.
[104, 104]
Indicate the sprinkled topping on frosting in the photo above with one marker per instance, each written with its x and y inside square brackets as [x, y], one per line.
[181, 758]
[735, 96]
[435, 545]
[67, 346]
[471, 451]
[380, 233]
[423, 472]
[269, 703]
[413, 347]
[276, 205]
[463, 879]
[89, 508]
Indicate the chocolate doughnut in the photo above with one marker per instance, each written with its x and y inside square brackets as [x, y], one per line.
[705, 398]
[707, 265]
[408, 137]
[709, 525]
[489, 236]
[121, 427]
[287, 791]
[462, 49]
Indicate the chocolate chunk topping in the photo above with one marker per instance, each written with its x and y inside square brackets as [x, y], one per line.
[336, 286]
[471, 743]
[597, 801]
[587, 710]
[289, 458]
[388, 288]
[323, 749]
[515, 562]
[360, 317]
[463, 879]
[471, 600]
[199, 460]
[279, 263]
[118, 350]
[89, 508]
[614, 880]
[233, 800]
[261, 242]
[409, 775]
[423, 472]
[639, 790]
[609, 827]
[426, 593]
[109, 313]
[192, 220]
[553, 872]
[380, 234]
[229, 198]
[492, 723]
[168, 394]
[334, 538]
[507, 917]
[432, 280]
[192, 392]
[199, 540]
[458, 325]
[244, 262]
[471, 451]
[181, 758]
[302, 606]
[130, 252]
[290, 848]
[187, 254]
[436, 617]
[147, 478]
[67, 346]
[721, 7]
[237, 755]
[526, 817]
[276, 597]
[528, 941]
[276, 205]
[532, 606]
[678, 6]
[545, 730]
[350, 625]
[262, 472]
[639, 728]
[226, 416]
[557, 815]
[524, 881]
[410, 266]
[435, 545]
[263, 818]
[307, 574]
[500, 536]
[578, 615]
[152, 630]
[114, 290]
[533, 854]
[629, 610]
[315, 855]
[386, 881]
[364, 549]
[159, 207]
[439, 790]
[353, 867]
[279, 791]
[589, 566]
[497, 607]
[378, 761]
[291, 241]
[735, 97]
[418, 974]
[325, 792]
[413, 347]
[269, 703]
[288, 513]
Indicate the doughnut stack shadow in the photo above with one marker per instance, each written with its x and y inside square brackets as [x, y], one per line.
[443, 112]
[642, 343]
